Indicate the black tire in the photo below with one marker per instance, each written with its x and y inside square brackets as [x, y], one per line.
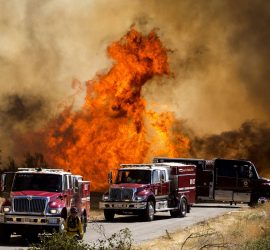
[61, 227]
[148, 213]
[182, 209]
[64, 214]
[84, 222]
[4, 234]
[109, 214]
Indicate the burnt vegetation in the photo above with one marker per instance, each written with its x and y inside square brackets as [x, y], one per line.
[30, 161]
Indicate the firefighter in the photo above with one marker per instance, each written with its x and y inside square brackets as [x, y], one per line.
[73, 225]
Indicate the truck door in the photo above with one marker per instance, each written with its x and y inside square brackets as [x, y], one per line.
[6, 184]
[68, 189]
[244, 183]
[245, 176]
[165, 185]
[160, 183]
[156, 184]
[234, 180]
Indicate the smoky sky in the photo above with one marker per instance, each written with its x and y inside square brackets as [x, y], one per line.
[251, 142]
[218, 55]
[16, 109]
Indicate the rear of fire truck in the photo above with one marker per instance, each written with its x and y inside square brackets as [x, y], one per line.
[38, 200]
[226, 180]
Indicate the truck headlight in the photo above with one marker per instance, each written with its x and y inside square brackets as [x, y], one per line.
[54, 211]
[6, 209]
[139, 198]
[105, 197]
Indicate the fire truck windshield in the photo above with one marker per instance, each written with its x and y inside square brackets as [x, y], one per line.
[133, 176]
[43, 182]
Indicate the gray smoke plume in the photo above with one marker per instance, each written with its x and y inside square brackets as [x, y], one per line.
[251, 141]
[218, 54]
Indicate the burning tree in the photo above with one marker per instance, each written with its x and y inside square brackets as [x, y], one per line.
[113, 125]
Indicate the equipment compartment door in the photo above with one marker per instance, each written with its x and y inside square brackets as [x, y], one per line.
[225, 177]
[225, 180]
[204, 184]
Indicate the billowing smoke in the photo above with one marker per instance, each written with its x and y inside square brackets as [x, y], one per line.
[19, 109]
[18, 112]
[219, 58]
[251, 141]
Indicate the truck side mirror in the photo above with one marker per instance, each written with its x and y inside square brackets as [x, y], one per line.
[250, 173]
[110, 177]
[162, 179]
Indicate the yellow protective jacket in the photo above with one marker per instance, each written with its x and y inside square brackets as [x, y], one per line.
[73, 226]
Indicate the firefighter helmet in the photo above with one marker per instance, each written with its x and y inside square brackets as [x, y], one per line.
[74, 210]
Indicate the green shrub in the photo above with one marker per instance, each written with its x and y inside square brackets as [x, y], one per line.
[118, 241]
[58, 241]
[121, 240]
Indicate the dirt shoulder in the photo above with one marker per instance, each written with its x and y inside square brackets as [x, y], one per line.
[229, 231]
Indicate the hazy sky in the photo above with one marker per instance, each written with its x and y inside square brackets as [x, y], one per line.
[219, 57]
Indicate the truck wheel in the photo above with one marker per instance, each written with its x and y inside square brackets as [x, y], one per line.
[4, 234]
[108, 214]
[183, 208]
[61, 227]
[84, 222]
[148, 214]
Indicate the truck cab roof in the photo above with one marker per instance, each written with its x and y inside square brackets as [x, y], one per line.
[153, 166]
[43, 171]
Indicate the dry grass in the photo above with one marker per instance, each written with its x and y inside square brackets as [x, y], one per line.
[96, 214]
[230, 231]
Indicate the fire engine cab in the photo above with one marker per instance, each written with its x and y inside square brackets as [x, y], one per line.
[38, 200]
[144, 189]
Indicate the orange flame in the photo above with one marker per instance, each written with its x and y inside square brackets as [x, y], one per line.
[113, 125]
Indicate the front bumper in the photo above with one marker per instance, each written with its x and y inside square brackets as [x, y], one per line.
[13, 219]
[122, 205]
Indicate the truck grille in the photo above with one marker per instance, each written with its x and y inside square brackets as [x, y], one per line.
[119, 194]
[34, 205]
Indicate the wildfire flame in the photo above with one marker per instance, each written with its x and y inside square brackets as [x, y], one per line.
[113, 125]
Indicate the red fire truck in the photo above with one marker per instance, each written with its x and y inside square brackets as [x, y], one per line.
[226, 180]
[38, 200]
[144, 189]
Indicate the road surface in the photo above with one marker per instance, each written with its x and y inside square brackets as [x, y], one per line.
[143, 231]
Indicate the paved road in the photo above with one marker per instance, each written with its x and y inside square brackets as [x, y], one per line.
[143, 231]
